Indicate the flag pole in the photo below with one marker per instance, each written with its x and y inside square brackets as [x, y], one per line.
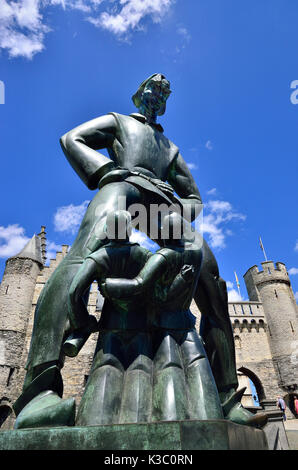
[263, 249]
[237, 282]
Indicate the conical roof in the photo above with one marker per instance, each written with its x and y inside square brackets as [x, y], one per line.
[32, 250]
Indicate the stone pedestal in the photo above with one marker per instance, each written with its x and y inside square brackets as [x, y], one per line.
[170, 435]
[275, 429]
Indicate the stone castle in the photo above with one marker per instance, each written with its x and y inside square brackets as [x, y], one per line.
[265, 332]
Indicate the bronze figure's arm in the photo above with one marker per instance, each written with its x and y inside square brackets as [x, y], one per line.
[77, 311]
[183, 183]
[181, 282]
[125, 288]
[80, 146]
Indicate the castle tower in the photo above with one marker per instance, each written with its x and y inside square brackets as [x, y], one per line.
[16, 293]
[272, 287]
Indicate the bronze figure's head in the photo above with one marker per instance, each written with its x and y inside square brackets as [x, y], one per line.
[152, 95]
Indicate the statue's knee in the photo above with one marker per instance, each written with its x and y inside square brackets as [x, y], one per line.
[107, 361]
[142, 364]
[192, 349]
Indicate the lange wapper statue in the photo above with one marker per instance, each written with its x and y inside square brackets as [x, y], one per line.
[144, 167]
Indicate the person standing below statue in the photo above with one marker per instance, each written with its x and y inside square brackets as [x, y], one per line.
[280, 403]
[296, 406]
[141, 160]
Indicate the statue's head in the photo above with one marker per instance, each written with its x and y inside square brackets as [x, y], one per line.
[152, 94]
[118, 226]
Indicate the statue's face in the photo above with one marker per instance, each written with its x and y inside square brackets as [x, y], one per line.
[155, 95]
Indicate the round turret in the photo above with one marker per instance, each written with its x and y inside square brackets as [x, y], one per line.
[273, 288]
[16, 293]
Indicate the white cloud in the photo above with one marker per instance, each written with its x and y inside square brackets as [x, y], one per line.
[68, 218]
[296, 246]
[143, 240]
[52, 249]
[130, 15]
[234, 296]
[209, 145]
[184, 33]
[23, 23]
[21, 28]
[212, 192]
[216, 215]
[293, 271]
[192, 166]
[12, 240]
[296, 295]
[82, 5]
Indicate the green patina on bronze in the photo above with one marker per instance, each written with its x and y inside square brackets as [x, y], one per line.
[183, 435]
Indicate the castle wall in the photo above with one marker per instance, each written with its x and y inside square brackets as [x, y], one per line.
[253, 353]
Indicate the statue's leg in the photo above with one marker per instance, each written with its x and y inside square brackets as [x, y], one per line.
[50, 321]
[215, 329]
[101, 401]
[137, 388]
[204, 402]
[169, 398]
[50, 324]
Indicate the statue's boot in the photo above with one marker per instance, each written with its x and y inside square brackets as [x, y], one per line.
[48, 379]
[234, 411]
[47, 410]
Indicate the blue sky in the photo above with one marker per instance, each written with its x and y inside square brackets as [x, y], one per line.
[230, 64]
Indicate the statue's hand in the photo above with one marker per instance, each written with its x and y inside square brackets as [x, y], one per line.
[187, 272]
[103, 289]
[86, 324]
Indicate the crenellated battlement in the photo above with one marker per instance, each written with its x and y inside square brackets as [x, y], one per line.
[272, 272]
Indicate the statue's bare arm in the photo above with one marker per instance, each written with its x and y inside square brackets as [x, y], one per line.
[77, 310]
[80, 146]
[185, 186]
[126, 288]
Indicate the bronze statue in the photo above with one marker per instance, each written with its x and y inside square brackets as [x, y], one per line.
[144, 168]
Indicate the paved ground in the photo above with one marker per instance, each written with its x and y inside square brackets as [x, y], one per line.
[291, 425]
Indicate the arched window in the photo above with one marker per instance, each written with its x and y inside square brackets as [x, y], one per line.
[253, 382]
